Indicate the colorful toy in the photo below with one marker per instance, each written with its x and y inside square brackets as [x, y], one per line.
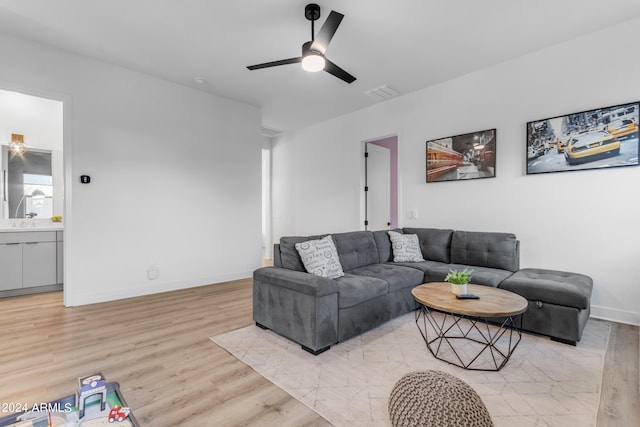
[95, 403]
[118, 413]
[88, 388]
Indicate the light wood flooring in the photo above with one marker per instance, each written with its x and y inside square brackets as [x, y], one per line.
[157, 347]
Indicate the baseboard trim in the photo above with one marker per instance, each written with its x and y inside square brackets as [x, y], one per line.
[156, 288]
[32, 290]
[615, 315]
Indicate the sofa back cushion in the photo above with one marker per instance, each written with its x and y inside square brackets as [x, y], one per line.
[289, 256]
[356, 249]
[435, 243]
[495, 250]
[383, 244]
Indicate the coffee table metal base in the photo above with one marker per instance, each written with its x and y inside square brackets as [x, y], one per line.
[473, 343]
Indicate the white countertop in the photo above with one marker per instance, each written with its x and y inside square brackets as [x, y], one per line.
[19, 229]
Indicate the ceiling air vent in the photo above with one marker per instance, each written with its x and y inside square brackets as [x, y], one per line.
[270, 132]
[382, 92]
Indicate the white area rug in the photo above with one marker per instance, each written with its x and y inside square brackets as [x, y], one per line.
[543, 384]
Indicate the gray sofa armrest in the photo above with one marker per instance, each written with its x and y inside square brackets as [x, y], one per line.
[298, 305]
[299, 281]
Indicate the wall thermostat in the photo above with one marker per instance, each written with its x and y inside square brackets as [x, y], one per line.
[85, 179]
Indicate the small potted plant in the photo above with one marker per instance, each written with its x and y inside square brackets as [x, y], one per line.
[459, 280]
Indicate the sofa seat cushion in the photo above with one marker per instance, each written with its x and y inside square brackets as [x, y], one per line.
[479, 276]
[551, 287]
[354, 289]
[398, 277]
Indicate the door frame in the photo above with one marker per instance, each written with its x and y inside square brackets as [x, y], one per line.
[361, 192]
[67, 149]
[267, 206]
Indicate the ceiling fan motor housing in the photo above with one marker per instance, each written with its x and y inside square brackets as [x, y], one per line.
[312, 11]
[306, 49]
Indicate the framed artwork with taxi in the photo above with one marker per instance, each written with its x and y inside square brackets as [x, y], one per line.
[595, 139]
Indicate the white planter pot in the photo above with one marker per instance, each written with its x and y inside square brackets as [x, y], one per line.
[459, 289]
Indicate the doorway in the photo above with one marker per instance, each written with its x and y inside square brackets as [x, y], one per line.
[34, 176]
[381, 183]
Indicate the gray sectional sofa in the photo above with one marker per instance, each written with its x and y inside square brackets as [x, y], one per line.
[318, 312]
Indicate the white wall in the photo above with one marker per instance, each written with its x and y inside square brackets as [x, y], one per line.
[175, 176]
[583, 221]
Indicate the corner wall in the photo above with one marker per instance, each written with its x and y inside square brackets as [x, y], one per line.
[584, 221]
[175, 176]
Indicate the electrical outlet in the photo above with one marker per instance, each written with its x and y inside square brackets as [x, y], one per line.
[153, 272]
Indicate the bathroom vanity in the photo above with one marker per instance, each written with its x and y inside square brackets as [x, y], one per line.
[30, 260]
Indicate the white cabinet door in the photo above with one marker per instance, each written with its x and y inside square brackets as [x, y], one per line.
[39, 264]
[10, 266]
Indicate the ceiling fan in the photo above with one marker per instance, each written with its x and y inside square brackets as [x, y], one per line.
[313, 52]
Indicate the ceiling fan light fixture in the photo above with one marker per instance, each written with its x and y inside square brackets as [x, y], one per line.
[313, 62]
[313, 52]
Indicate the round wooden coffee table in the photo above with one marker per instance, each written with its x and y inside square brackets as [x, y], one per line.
[477, 334]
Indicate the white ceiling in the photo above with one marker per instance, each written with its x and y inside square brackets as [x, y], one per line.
[407, 44]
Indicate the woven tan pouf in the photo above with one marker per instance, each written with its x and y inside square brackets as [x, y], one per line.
[435, 398]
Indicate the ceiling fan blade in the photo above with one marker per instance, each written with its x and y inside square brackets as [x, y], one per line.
[275, 63]
[333, 69]
[324, 36]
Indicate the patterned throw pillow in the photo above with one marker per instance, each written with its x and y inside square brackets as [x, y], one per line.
[320, 257]
[406, 247]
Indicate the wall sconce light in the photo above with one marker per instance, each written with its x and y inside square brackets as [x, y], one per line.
[16, 146]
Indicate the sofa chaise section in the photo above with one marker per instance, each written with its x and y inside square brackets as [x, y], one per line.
[559, 302]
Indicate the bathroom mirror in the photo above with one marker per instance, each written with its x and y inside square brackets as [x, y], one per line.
[31, 182]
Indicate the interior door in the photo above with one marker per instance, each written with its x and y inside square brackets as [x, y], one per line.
[378, 187]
